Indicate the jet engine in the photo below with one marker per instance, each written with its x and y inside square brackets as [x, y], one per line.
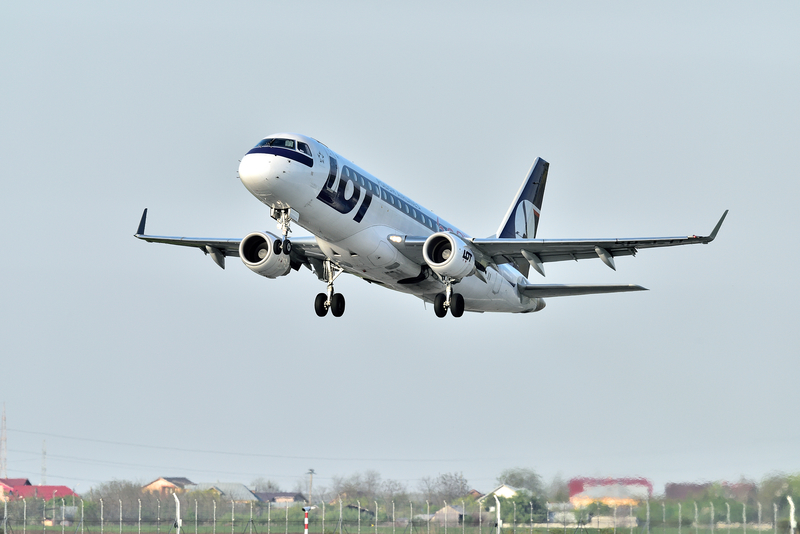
[263, 254]
[447, 255]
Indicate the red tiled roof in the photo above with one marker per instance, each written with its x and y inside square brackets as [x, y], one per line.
[578, 485]
[41, 492]
[12, 482]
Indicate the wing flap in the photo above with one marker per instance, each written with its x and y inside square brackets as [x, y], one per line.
[229, 247]
[557, 290]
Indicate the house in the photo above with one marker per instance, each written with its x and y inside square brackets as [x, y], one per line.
[41, 492]
[5, 489]
[8, 484]
[475, 494]
[738, 491]
[610, 491]
[503, 490]
[560, 512]
[21, 488]
[684, 491]
[281, 499]
[449, 515]
[13, 482]
[167, 485]
[230, 491]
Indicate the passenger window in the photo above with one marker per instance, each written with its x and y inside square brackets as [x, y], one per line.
[304, 148]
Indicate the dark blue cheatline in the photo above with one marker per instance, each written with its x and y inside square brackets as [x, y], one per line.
[285, 152]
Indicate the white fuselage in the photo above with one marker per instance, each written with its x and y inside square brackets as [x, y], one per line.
[352, 214]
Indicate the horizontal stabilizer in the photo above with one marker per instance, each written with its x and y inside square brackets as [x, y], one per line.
[557, 290]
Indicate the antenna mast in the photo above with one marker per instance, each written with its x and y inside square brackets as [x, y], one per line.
[44, 464]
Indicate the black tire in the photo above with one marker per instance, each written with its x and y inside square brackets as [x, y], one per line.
[287, 247]
[337, 304]
[438, 305]
[319, 305]
[457, 305]
[276, 247]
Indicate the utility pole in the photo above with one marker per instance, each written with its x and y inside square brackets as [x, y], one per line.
[310, 483]
[44, 463]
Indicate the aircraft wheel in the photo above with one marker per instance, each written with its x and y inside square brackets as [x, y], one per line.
[276, 247]
[337, 304]
[438, 305]
[287, 247]
[319, 305]
[457, 305]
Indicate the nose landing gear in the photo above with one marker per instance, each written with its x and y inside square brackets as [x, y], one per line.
[448, 301]
[284, 218]
[330, 300]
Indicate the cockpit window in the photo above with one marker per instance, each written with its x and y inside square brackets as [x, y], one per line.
[304, 148]
[283, 143]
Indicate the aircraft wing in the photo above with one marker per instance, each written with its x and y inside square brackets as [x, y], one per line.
[536, 252]
[304, 249]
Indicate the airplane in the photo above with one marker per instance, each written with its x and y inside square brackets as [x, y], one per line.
[364, 227]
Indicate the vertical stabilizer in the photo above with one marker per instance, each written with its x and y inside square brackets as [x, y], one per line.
[522, 219]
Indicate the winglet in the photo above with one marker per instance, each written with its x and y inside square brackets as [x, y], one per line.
[717, 227]
[140, 231]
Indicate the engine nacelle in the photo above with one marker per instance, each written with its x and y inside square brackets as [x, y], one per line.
[258, 252]
[447, 255]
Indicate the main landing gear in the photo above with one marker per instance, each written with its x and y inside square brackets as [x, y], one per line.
[330, 300]
[448, 301]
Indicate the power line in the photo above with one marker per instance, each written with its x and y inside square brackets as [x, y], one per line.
[91, 461]
[245, 454]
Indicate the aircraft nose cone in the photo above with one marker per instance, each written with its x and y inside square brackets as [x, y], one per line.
[254, 170]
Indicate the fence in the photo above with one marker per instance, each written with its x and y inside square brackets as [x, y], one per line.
[106, 516]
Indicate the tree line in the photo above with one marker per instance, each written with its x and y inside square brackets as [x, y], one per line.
[365, 488]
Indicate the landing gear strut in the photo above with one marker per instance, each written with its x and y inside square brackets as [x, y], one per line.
[448, 300]
[330, 300]
[284, 218]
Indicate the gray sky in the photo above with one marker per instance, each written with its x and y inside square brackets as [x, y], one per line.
[655, 119]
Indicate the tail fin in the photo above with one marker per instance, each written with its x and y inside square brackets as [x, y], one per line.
[522, 219]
